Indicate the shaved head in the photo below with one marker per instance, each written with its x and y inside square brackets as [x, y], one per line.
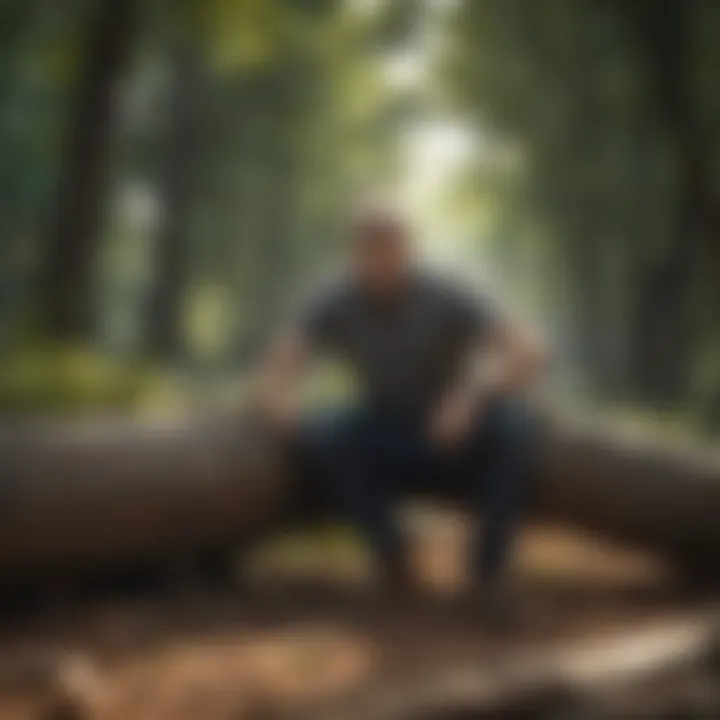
[373, 221]
[382, 252]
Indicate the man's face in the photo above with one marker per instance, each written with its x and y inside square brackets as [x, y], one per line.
[382, 253]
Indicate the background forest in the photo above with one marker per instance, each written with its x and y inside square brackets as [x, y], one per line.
[172, 174]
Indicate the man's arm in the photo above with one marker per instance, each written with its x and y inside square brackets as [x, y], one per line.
[511, 361]
[508, 362]
[277, 382]
[276, 387]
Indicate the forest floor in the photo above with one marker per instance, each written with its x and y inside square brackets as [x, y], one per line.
[303, 636]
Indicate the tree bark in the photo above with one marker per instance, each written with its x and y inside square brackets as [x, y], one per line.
[662, 32]
[66, 276]
[105, 494]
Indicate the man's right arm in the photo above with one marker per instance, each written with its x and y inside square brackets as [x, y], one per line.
[276, 388]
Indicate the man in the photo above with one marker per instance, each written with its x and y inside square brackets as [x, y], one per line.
[439, 370]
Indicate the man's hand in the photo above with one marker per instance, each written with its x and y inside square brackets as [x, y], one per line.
[452, 421]
[280, 410]
[275, 393]
[509, 364]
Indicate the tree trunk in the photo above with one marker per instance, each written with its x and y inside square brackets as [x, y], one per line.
[112, 493]
[663, 34]
[165, 329]
[67, 274]
[664, 328]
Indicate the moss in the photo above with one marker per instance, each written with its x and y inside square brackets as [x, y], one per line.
[64, 378]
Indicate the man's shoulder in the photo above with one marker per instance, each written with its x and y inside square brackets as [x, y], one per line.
[458, 301]
[337, 287]
[332, 294]
[447, 287]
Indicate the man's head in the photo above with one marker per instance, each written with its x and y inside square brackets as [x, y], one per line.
[382, 252]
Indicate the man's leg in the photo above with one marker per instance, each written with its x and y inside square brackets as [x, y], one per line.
[499, 458]
[352, 447]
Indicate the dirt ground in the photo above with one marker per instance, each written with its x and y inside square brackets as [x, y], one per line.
[303, 632]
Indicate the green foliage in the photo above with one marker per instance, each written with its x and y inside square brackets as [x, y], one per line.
[609, 169]
[64, 379]
[579, 195]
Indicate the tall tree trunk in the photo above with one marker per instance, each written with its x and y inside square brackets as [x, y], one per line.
[662, 31]
[165, 326]
[69, 254]
[664, 331]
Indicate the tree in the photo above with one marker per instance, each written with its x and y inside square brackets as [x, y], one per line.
[609, 102]
[66, 277]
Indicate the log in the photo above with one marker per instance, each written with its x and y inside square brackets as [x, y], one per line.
[652, 493]
[104, 493]
[115, 492]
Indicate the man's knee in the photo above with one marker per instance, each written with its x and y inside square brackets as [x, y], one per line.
[333, 436]
[509, 422]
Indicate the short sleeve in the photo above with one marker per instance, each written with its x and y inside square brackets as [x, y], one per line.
[475, 316]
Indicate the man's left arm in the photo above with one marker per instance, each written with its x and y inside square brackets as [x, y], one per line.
[512, 360]
[507, 361]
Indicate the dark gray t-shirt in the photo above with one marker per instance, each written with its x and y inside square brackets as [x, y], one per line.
[407, 351]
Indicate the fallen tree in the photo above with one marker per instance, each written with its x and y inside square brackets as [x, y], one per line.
[116, 492]
[654, 493]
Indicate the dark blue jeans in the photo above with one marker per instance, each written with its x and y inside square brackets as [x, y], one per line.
[373, 456]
